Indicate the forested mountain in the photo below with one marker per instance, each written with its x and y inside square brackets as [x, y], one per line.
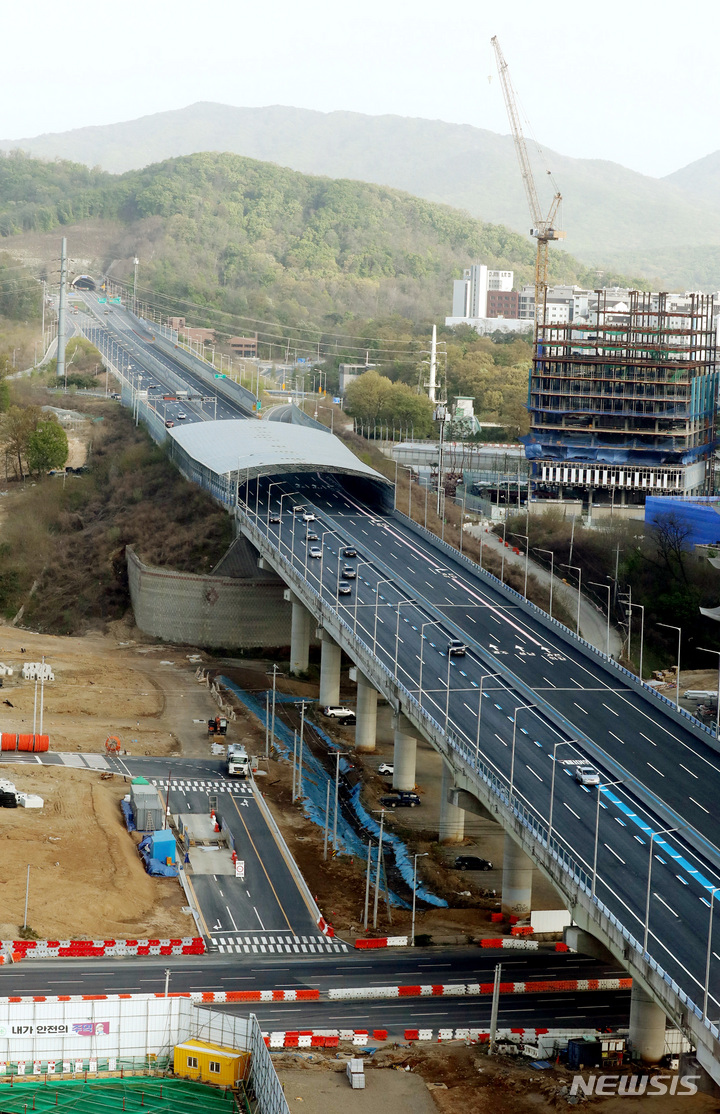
[666, 229]
[261, 241]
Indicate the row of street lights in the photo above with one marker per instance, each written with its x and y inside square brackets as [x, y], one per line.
[511, 785]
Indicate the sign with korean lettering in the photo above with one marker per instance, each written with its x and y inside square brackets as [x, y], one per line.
[240, 869]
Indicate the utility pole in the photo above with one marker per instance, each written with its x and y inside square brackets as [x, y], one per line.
[136, 262]
[377, 874]
[62, 317]
[432, 381]
[494, 1007]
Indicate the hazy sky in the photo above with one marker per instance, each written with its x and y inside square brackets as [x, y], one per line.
[635, 82]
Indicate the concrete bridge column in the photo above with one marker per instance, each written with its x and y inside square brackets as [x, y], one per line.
[451, 828]
[299, 635]
[404, 753]
[647, 1026]
[366, 714]
[330, 655]
[516, 880]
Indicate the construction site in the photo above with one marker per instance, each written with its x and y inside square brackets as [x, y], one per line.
[623, 401]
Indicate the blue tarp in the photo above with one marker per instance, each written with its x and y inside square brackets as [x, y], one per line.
[314, 792]
[700, 515]
[153, 866]
[128, 814]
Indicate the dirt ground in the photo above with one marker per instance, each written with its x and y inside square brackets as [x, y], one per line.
[104, 685]
[451, 1079]
[86, 877]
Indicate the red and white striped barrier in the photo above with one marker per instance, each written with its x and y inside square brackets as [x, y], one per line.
[330, 1038]
[446, 990]
[80, 949]
[325, 928]
[384, 942]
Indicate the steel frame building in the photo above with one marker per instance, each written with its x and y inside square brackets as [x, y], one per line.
[623, 403]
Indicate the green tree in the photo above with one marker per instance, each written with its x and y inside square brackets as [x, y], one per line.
[47, 447]
[365, 397]
[17, 426]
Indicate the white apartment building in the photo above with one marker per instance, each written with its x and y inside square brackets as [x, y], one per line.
[471, 291]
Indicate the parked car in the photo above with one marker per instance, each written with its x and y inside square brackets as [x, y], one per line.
[337, 711]
[315, 551]
[386, 768]
[456, 648]
[348, 551]
[348, 572]
[587, 775]
[472, 862]
[402, 800]
[344, 588]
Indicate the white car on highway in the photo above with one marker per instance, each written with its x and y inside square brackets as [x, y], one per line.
[315, 551]
[587, 775]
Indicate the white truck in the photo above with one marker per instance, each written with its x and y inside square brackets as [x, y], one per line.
[238, 762]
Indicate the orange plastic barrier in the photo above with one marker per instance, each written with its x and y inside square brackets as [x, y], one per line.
[8, 741]
[26, 742]
[42, 742]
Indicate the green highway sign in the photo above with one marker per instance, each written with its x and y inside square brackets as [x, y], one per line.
[102, 300]
[116, 301]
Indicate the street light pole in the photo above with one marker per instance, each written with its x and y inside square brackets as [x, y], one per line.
[357, 590]
[519, 708]
[514, 534]
[597, 829]
[415, 858]
[653, 837]
[708, 953]
[561, 743]
[430, 623]
[641, 608]
[677, 671]
[606, 588]
[552, 572]
[377, 874]
[717, 712]
[377, 599]
[578, 570]
[485, 677]
[397, 633]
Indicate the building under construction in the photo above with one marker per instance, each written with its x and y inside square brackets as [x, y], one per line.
[623, 401]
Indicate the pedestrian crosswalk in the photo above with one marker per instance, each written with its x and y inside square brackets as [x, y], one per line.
[260, 943]
[190, 785]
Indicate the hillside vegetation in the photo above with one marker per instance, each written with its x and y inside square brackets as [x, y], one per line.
[261, 241]
[613, 216]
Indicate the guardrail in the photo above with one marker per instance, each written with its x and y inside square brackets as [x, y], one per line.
[570, 874]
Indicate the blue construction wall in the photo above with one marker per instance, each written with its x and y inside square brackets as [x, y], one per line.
[700, 515]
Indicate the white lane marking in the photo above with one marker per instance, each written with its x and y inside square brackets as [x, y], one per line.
[616, 737]
[647, 738]
[533, 772]
[471, 710]
[666, 905]
[615, 854]
[655, 769]
[707, 810]
[584, 710]
[231, 918]
[572, 810]
[688, 771]
[611, 710]
[552, 686]
[258, 917]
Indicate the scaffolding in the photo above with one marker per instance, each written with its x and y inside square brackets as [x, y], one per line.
[627, 397]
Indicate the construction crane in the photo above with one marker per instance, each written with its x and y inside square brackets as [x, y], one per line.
[542, 229]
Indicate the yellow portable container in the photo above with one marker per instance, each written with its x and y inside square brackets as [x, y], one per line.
[210, 1063]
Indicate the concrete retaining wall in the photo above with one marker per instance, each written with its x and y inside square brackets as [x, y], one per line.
[203, 610]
